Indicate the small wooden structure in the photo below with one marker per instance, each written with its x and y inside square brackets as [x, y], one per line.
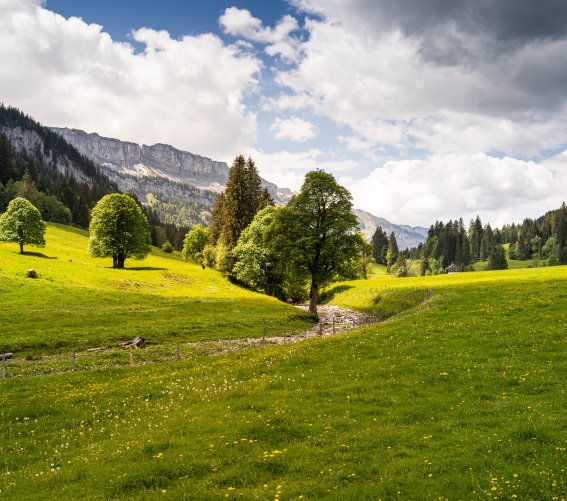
[453, 268]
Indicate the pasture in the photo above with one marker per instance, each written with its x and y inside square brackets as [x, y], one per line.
[458, 396]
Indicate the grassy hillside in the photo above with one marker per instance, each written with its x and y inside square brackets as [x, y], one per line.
[80, 302]
[460, 397]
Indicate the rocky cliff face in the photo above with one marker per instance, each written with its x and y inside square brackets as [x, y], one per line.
[33, 144]
[406, 236]
[163, 169]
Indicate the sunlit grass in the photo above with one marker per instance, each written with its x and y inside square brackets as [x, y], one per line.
[460, 397]
[80, 302]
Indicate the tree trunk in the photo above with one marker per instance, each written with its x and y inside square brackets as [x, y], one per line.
[313, 298]
[21, 248]
[114, 261]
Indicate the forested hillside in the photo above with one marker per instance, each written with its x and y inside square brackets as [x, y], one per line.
[39, 165]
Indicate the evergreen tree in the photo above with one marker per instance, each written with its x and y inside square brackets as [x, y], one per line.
[400, 268]
[8, 168]
[424, 266]
[486, 243]
[242, 197]
[217, 218]
[475, 238]
[379, 245]
[392, 253]
[497, 258]
[266, 200]
[465, 247]
[28, 190]
[562, 234]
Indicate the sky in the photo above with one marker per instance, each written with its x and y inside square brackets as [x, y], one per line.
[424, 109]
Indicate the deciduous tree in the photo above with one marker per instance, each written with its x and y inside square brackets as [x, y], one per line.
[118, 229]
[194, 244]
[22, 224]
[318, 232]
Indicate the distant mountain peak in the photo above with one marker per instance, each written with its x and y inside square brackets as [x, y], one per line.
[406, 236]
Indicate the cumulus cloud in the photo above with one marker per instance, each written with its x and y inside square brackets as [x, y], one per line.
[188, 92]
[443, 187]
[279, 40]
[294, 129]
[440, 75]
[286, 168]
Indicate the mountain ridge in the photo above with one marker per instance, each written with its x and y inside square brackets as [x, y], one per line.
[406, 236]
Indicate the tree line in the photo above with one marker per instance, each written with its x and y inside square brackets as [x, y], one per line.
[289, 252]
[544, 238]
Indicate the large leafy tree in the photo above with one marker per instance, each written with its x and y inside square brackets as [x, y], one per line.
[194, 244]
[22, 223]
[118, 229]
[260, 264]
[318, 233]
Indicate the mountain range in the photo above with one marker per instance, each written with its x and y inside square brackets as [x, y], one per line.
[406, 236]
[178, 185]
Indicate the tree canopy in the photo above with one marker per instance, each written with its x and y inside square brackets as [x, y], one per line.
[260, 262]
[118, 229]
[22, 224]
[194, 244]
[318, 233]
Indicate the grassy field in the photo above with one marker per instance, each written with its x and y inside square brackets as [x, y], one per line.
[461, 395]
[80, 302]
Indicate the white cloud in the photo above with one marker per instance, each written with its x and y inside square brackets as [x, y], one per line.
[288, 169]
[241, 23]
[187, 92]
[294, 129]
[376, 79]
[443, 187]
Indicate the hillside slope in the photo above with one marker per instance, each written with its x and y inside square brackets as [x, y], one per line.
[80, 302]
[462, 399]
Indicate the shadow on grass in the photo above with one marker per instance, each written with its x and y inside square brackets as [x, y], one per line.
[330, 294]
[36, 254]
[145, 268]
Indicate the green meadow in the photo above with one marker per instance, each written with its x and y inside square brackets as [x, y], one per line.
[459, 393]
[80, 302]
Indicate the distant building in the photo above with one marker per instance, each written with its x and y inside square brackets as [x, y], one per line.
[452, 269]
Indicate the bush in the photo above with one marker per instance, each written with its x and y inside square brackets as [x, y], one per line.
[167, 247]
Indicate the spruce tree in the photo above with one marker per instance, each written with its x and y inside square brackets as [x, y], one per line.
[497, 258]
[379, 245]
[475, 238]
[217, 217]
[242, 197]
[392, 253]
[266, 200]
[562, 234]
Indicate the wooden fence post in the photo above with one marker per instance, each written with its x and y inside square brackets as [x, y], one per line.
[334, 331]
[131, 357]
[74, 360]
[178, 352]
